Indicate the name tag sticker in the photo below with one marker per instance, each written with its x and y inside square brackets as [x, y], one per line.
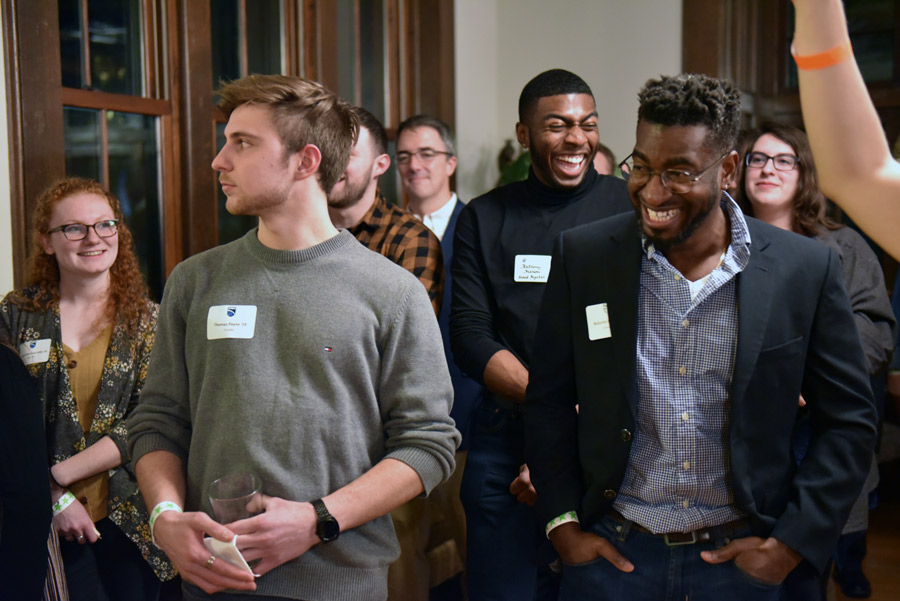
[230, 321]
[597, 321]
[35, 351]
[532, 268]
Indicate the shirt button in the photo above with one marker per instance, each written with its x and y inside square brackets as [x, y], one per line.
[687, 465]
[677, 277]
[685, 503]
[609, 494]
[72, 364]
[685, 323]
[682, 370]
[685, 416]
[625, 435]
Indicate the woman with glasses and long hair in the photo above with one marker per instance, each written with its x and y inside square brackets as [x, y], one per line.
[780, 186]
[84, 327]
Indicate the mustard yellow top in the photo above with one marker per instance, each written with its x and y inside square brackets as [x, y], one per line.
[85, 369]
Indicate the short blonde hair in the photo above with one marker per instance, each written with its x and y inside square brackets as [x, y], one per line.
[304, 112]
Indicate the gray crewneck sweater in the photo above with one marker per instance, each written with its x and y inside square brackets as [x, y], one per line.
[344, 368]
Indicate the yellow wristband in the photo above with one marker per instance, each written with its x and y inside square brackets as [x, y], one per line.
[822, 60]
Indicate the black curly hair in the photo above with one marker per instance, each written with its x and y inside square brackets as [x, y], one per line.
[694, 99]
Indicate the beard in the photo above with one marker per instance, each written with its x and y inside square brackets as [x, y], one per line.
[256, 204]
[663, 244]
[347, 193]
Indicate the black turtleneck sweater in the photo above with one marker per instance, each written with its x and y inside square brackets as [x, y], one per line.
[490, 311]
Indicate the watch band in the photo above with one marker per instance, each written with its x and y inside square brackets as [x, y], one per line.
[327, 527]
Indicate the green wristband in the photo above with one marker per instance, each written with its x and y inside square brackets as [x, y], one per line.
[161, 508]
[64, 501]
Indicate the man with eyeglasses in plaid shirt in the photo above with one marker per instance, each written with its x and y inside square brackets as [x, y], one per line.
[663, 398]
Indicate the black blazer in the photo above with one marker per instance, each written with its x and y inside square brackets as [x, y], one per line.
[795, 335]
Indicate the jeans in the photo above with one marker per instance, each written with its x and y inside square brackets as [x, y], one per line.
[508, 555]
[112, 569]
[663, 573]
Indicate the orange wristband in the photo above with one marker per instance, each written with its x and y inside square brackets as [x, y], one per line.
[829, 58]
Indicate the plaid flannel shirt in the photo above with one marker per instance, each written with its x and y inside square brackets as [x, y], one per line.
[398, 235]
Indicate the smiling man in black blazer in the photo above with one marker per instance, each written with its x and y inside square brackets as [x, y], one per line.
[670, 356]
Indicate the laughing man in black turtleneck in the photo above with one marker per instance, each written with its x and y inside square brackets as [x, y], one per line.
[500, 265]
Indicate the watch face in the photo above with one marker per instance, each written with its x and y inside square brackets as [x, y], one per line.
[328, 530]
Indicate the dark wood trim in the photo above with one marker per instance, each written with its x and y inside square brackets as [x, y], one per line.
[200, 230]
[104, 150]
[170, 138]
[435, 68]
[148, 31]
[410, 64]
[18, 209]
[392, 54]
[85, 23]
[41, 109]
[115, 102]
[327, 46]
[357, 56]
[310, 67]
[291, 28]
[243, 51]
[703, 36]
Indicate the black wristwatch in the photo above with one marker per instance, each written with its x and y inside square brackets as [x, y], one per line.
[327, 527]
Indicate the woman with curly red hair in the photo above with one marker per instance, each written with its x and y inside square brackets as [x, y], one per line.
[84, 327]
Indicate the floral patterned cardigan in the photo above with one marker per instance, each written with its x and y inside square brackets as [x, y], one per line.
[124, 371]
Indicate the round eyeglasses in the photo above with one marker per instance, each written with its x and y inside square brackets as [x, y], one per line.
[79, 231]
[677, 181]
[781, 162]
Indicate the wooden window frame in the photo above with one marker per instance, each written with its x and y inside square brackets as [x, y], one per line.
[178, 74]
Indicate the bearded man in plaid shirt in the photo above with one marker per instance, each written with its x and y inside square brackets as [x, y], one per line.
[356, 204]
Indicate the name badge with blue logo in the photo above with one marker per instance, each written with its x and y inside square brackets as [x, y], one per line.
[230, 321]
[35, 351]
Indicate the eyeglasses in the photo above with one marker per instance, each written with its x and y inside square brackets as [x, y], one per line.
[782, 162]
[79, 231]
[674, 180]
[426, 155]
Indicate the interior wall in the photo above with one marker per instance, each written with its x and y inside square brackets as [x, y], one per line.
[501, 44]
[6, 262]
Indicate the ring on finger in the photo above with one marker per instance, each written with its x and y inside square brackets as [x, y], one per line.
[79, 538]
[210, 561]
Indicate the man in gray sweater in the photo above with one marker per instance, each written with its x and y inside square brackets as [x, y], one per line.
[298, 355]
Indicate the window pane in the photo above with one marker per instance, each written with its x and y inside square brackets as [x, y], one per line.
[82, 135]
[70, 43]
[134, 177]
[346, 47]
[264, 36]
[371, 41]
[231, 227]
[116, 46]
[226, 48]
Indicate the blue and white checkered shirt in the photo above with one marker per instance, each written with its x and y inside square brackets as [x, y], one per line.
[677, 479]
